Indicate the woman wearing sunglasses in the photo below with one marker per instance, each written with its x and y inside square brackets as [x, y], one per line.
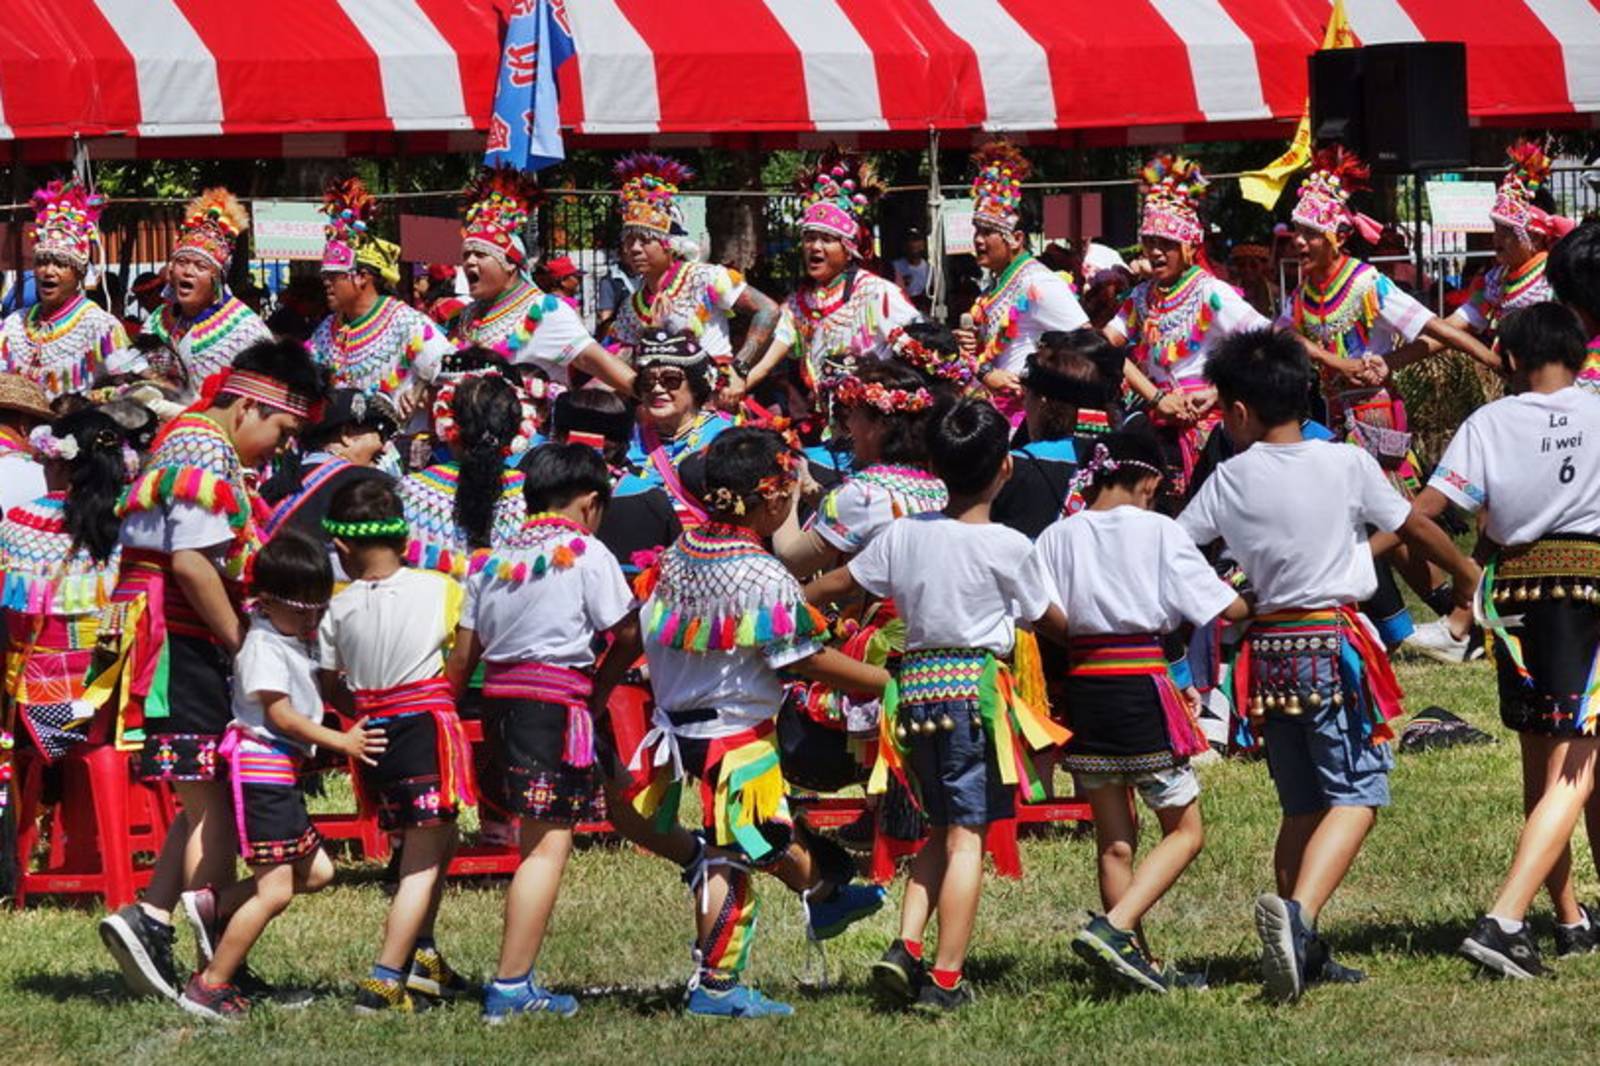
[675, 381]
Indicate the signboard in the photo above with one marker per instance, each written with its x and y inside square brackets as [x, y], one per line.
[426, 239]
[1461, 206]
[693, 209]
[1071, 216]
[286, 230]
[955, 216]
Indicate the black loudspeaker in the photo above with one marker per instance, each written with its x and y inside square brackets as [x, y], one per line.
[1337, 103]
[1416, 106]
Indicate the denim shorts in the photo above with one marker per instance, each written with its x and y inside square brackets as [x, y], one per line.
[1320, 759]
[955, 771]
[1176, 786]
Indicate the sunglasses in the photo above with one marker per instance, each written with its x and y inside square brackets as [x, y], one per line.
[669, 379]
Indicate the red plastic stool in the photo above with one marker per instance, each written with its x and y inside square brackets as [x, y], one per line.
[104, 817]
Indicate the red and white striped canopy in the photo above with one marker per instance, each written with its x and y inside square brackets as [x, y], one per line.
[331, 76]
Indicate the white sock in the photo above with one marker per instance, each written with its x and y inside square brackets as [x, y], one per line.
[1508, 926]
[1581, 923]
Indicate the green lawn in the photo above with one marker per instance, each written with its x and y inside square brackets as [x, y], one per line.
[622, 926]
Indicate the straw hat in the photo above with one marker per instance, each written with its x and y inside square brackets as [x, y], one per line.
[17, 393]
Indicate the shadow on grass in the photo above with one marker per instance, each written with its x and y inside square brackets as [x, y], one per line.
[1440, 937]
[102, 985]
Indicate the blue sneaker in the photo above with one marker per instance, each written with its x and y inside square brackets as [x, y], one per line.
[848, 905]
[740, 1001]
[500, 1005]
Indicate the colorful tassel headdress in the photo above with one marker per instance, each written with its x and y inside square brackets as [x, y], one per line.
[997, 186]
[838, 193]
[647, 186]
[1324, 204]
[66, 223]
[351, 243]
[1173, 188]
[498, 206]
[1514, 201]
[211, 226]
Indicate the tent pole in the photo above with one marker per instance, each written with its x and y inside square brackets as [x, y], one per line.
[935, 231]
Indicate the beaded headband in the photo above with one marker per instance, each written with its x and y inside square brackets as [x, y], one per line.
[851, 391]
[1101, 461]
[266, 390]
[295, 605]
[371, 529]
[951, 366]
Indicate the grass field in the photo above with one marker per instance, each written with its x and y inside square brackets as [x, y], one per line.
[622, 925]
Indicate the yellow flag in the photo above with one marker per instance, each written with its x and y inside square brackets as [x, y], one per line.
[1264, 186]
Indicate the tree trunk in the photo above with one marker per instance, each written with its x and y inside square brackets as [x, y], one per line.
[737, 224]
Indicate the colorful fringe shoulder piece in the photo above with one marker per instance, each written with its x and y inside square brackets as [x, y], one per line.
[717, 589]
[546, 542]
[436, 542]
[193, 462]
[909, 490]
[43, 574]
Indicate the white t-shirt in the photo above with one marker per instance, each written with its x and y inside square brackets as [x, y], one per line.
[550, 619]
[741, 685]
[1230, 314]
[956, 584]
[1128, 571]
[1533, 460]
[1294, 516]
[390, 632]
[699, 302]
[560, 336]
[1401, 318]
[853, 513]
[178, 526]
[21, 480]
[269, 661]
[1051, 306]
[1100, 257]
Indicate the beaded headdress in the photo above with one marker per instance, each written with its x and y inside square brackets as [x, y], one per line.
[498, 205]
[952, 366]
[351, 243]
[1514, 201]
[212, 223]
[838, 192]
[647, 186]
[1324, 196]
[1173, 188]
[997, 186]
[66, 222]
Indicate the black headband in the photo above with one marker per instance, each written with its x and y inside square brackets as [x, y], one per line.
[568, 417]
[1054, 385]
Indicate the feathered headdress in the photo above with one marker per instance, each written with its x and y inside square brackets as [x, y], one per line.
[1514, 201]
[838, 192]
[1173, 188]
[66, 222]
[211, 226]
[647, 186]
[351, 242]
[1001, 168]
[498, 205]
[1336, 174]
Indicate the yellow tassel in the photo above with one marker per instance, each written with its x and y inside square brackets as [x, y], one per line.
[1029, 672]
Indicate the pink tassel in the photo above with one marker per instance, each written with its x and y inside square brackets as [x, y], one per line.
[782, 623]
[669, 628]
[579, 751]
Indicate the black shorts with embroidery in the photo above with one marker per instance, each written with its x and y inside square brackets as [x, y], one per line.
[183, 745]
[524, 774]
[407, 785]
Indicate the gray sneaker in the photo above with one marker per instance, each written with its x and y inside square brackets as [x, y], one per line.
[1115, 951]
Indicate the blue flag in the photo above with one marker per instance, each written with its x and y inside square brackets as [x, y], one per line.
[525, 129]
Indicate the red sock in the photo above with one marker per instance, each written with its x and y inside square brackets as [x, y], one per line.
[946, 979]
[913, 948]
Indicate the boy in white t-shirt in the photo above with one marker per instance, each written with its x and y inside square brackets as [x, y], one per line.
[1126, 577]
[277, 723]
[953, 726]
[1294, 513]
[382, 649]
[532, 612]
[1531, 464]
[721, 617]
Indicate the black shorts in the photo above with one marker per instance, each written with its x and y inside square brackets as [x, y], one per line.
[524, 774]
[1559, 639]
[407, 785]
[277, 828]
[183, 745]
[954, 771]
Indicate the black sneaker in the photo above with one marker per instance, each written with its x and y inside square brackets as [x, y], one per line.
[431, 976]
[256, 989]
[933, 999]
[1577, 941]
[1323, 969]
[377, 996]
[1115, 951]
[1507, 954]
[1283, 947]
[142, 947]
[899, 976]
